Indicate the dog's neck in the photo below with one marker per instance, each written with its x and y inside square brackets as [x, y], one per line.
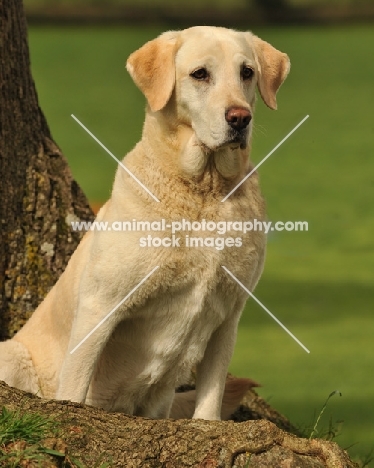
[180, 154]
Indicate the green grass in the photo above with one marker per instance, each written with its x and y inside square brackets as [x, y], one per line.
[15, 425]
[319, 283]
[21, 438]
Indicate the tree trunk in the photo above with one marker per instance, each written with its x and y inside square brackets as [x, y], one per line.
[93, 437]
[38, 195]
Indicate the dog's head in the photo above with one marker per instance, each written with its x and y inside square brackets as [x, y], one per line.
[209, 76]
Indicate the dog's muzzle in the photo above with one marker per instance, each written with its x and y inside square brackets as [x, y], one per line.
[238, 119]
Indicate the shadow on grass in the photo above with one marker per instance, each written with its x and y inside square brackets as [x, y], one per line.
[310, 302]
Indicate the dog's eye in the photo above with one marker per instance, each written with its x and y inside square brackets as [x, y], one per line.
[247, 73]
[200, 74]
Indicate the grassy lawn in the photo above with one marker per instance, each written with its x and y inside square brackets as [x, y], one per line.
[319, 283]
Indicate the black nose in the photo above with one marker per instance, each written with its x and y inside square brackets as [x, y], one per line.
[238, 117]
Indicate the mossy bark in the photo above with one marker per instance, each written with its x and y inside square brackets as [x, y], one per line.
[93, 436]
[38, 196]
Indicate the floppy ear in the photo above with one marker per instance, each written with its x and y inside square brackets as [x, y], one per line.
[273, 70]
[153, 70]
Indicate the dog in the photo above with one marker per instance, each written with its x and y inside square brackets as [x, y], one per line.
[79, 345]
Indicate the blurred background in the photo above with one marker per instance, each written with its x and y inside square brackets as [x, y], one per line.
[318, 283]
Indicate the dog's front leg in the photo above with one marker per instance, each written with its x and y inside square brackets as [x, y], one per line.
[158, 403]
[85, 347]
[212, 371]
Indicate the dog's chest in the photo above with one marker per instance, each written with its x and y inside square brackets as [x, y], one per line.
[173, 315]
[168, 334]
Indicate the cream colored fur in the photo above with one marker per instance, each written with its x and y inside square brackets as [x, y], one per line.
[186, 314]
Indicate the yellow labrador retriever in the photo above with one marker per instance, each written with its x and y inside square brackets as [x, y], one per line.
[200, 88]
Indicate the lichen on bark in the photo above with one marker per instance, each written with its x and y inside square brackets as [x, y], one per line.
[37, 190]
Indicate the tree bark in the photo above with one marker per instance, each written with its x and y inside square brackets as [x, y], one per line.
[90, 434]
[38, 195]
